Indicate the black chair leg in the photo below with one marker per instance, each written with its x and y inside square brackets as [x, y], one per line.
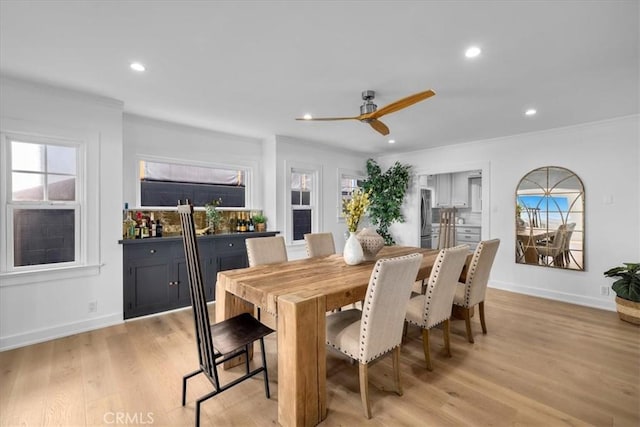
[246, 358]
[184, 385]
[264, 365]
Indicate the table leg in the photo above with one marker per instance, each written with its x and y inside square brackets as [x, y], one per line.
[302, 365]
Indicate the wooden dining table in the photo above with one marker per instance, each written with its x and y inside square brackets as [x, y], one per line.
[299, 293]
[530, 238]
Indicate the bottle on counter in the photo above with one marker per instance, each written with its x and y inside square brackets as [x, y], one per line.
[158, 228]
[129, 227]
[238, 220]
[252, 226]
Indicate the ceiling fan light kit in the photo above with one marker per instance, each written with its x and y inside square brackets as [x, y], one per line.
[369, 112]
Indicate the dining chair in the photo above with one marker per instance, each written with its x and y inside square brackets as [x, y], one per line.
[533, 214]
[266, 250]
[447, 234]
[554, 247]
[319, 244]
[224, 340]
[472, 292]
[368, 334]
[434, 306]
[566, 245]
[263, 251]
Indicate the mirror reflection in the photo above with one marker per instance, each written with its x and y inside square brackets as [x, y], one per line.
[550, 219]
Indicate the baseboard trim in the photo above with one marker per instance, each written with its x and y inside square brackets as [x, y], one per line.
[603, 304]
[47, 334]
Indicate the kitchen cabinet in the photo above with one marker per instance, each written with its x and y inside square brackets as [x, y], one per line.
[155, 273]
[468, 235]
[452, 190]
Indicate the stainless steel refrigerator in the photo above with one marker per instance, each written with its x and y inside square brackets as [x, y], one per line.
[425, 218]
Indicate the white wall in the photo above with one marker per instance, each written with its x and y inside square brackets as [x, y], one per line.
[149, 138]
[35, 310]
[330, 161]
[603, 154]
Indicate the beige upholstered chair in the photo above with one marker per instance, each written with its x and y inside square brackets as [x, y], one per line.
[434, 306]
[376, 330]
[319, 244]
[556, 246]
[262, 251]
[566, 246]
[472, 292]
[266, 250]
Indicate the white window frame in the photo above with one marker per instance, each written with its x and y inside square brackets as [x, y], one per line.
[315, 198]
[87, 244]
[346, 174]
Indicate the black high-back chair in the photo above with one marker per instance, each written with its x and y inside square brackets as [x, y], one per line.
[224, 340]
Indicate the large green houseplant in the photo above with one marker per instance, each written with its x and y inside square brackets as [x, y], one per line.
[627, 289]
[387, 191]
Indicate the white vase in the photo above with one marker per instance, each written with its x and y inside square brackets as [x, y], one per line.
[352, 253]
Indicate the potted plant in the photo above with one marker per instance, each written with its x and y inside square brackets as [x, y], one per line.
[214, 216]
[260, 222]
[627, 289]
[387, 191]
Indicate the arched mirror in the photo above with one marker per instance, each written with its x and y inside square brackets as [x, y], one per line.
[550, 219]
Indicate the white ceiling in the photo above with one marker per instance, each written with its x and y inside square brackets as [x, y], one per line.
[251, 67]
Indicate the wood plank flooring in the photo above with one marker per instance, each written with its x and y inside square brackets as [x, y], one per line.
[542, 363]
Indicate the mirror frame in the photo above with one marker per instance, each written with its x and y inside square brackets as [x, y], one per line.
[546, 211]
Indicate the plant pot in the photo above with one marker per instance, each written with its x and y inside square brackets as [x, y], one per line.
[629, 311]
[261, 227]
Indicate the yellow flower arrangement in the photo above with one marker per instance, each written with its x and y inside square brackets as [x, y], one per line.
[354, 208]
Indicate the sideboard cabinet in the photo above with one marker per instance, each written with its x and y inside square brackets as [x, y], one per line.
[155, 274]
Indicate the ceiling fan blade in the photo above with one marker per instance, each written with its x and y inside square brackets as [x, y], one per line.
[328, 119]
[379, 126]
[401, 103]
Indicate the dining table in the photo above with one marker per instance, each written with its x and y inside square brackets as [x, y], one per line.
[530, 237]
[299, 293]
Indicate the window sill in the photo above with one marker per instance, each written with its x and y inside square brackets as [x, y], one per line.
[28, 277]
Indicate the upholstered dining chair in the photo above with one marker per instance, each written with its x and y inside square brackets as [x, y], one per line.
[472, 292]
[262, 251]
[434, 306]
[319, 244]
[555, 246]
[266, 250]
[375, 331]
[224, 340]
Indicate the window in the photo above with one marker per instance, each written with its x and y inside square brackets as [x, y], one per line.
[43, 203]
[163, 184]
[303, 201]
[347, 182]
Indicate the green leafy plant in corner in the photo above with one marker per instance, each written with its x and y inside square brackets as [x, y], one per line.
[628, 285]
[387, 191]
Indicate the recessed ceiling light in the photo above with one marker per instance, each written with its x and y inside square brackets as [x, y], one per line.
[136, 66]
[307, 116]
[392, 141]
[530, 112]
[472, 52]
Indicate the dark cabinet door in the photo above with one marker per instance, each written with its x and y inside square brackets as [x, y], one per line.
[180, 286]
[147, 288]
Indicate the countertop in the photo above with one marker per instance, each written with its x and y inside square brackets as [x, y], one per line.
[247, 234]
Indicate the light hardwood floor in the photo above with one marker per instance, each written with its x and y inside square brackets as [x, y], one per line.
[542, 363]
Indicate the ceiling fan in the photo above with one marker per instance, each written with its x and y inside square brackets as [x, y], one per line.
[369, 112]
